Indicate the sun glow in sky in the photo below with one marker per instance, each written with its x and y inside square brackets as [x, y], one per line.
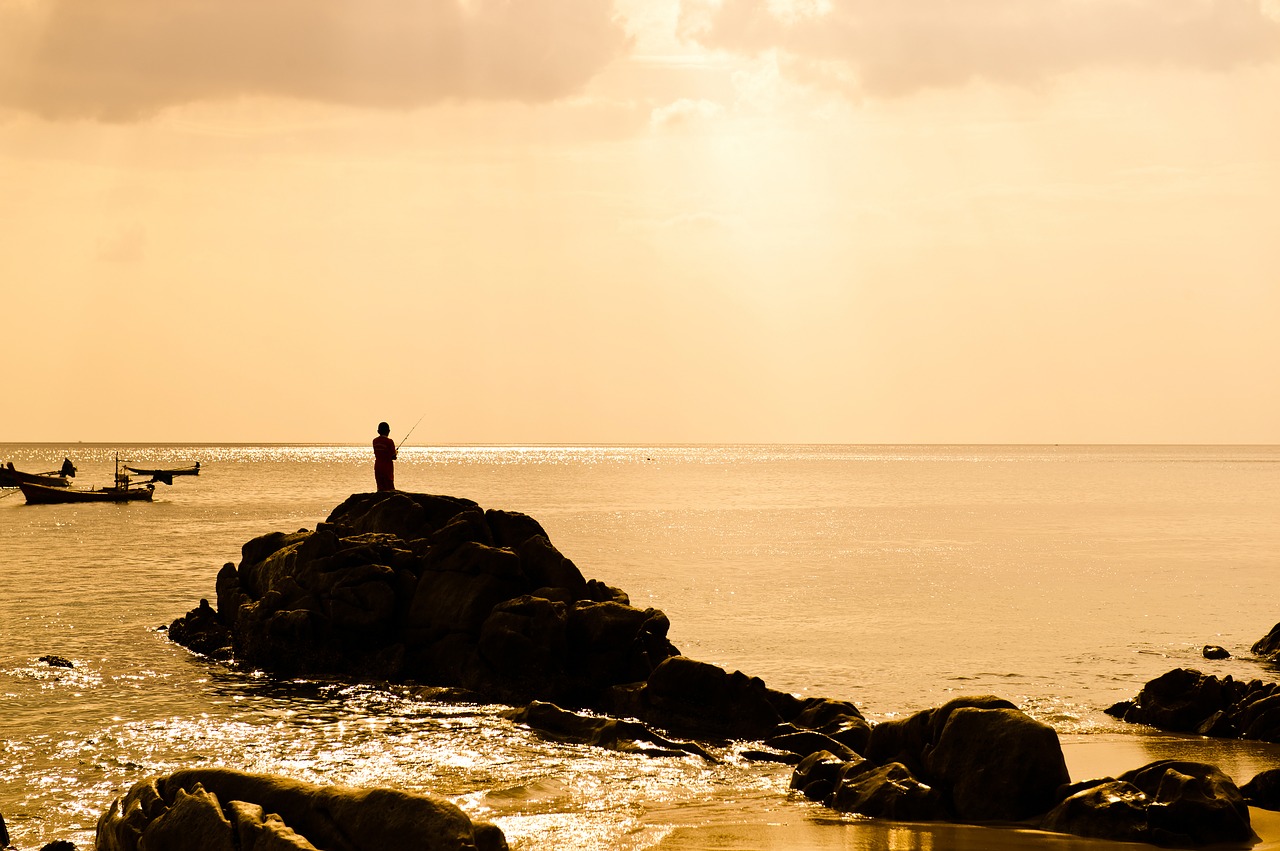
[561, 221]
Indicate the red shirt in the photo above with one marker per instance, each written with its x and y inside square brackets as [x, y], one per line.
[384, 451]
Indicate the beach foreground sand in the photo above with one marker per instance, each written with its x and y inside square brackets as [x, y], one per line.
[806, 827]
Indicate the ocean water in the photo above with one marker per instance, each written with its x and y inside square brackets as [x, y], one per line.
[898, 577]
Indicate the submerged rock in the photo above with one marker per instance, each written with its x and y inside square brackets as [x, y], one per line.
[615, 734]
[218, 809]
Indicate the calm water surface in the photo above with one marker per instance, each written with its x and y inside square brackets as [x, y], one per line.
[898, 577]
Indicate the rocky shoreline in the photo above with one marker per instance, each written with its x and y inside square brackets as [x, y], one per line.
[437, 591]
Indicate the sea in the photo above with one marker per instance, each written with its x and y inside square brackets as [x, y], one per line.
[898, 577]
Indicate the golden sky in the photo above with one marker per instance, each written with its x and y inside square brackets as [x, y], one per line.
[577, 221]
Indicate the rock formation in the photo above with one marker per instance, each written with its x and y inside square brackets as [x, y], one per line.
[1170, 803]
[974, 759]
[438, 591]
[1268, 647]
[981, 760]
[435, 590]
[1187, 701]
[217, 809]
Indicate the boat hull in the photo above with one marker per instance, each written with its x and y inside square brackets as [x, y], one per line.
[43, 495]
[12, 478]
[180, 471]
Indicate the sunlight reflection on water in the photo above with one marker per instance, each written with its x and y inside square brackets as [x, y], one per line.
[1061, 578]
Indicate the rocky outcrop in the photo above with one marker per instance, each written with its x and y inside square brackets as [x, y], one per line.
[1268, 647]
[1170, 803]
[435, 590]
[1187, 701]
[438, 591]
[981, 760]
[218, 809]
[974, 759]
[432, 589]
[1263, 790]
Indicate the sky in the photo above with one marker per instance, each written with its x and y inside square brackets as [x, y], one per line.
[641, 221]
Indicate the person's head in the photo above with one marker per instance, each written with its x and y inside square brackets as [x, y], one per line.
[384, 429]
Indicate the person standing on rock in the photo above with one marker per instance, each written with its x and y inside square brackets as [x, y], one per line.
[384, 459]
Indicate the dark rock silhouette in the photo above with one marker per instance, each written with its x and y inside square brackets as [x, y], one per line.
[1213, 651]
[974, 759]
[437, 591]
[1268, 647]
[980, 760]
[1191, 803]
[56, 661]
[1187, 701]
[431, 589]
[218, 809]
[1263, 790]
[615, 734]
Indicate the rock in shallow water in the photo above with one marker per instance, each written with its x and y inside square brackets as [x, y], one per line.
[1187, 701]
[219, 809]
[435, 590]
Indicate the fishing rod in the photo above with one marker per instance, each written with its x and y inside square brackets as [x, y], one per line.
[406, 437]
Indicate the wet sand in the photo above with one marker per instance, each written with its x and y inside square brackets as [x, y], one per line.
[808, 827]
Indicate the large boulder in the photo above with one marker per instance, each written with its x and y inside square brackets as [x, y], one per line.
[432, 589]
[700, 700]
[996, 764]
[219, 809]
[1268, 647]
[907, 740]
[1263, 791]
[1192, 803]
[406, 515]
[1105, 809]
[1170, 803]
[976, 759]
[886, 791]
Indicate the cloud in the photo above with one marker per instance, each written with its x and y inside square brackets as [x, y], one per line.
[683, 112]
[124, 60]
[896, 48]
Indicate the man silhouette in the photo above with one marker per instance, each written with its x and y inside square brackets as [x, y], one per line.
[384, 459]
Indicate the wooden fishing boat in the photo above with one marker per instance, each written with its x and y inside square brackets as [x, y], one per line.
[122, 491]
[193, 470]
[42, 495]
[10, 478]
